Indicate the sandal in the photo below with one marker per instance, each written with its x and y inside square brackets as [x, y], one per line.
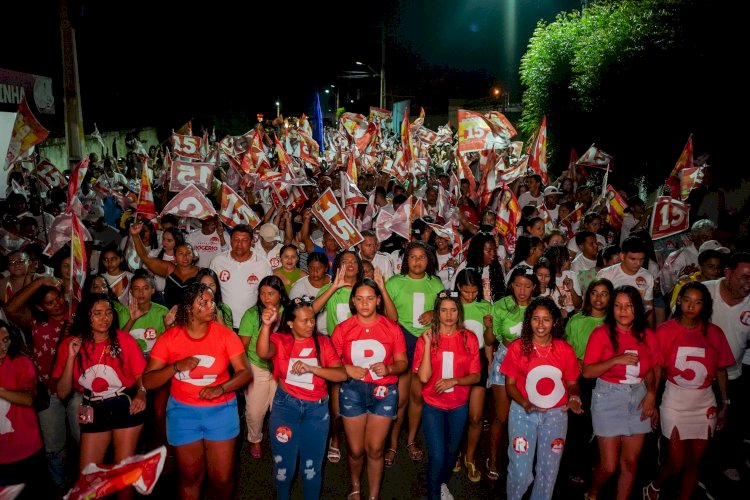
[650, 493]
[354, 494]
[414, 452]
[256, 451]
[389, 462]
[334, 454]
[457, 467]
[471, 472]
[492, 474]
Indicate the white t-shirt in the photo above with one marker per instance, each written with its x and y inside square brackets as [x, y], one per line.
[303, 287]
[528, 199]
[674, 265]
[643, 281]
[734, 322]
[239, 281]
[601, 243]
[273, 256]
[208, 246]
[581, 263]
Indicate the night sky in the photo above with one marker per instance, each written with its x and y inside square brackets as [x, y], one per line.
[145, 63]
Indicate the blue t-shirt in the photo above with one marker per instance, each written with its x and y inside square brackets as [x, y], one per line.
[316, 248]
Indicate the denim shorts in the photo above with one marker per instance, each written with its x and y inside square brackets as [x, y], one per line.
[411, 344]
[114, 413]
[190, 423]
[614, 409]
[357, 398]
[494, 377]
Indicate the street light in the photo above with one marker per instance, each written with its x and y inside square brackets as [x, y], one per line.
[375, 73]
[278, 108]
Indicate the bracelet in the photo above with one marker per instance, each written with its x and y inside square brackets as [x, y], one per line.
[575, 398]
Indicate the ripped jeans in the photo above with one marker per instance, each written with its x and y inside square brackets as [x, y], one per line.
[298, 428]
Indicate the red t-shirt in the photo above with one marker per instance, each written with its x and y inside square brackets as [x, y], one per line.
[599, 348]
[46, 337]
[288, 351]
[102, 373]
[364, 345]
[19, 429]
[542, 380]
[454, 357]
[214, 351]
[690, 358]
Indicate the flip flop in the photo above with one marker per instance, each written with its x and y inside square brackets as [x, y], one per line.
[414, 452]
[334, 454]
[492, 475]
[389, 462]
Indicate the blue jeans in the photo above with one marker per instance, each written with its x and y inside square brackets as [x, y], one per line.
[298, 428]
[540, 433]
[443, 430]
[55, 433]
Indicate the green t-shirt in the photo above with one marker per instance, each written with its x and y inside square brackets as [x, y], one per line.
[578, 330]
[337, 307]
[224, 316]
[250, 327]
[507, 319]
[474, 314]
[123, 315]
[149, 327]
[413, 297]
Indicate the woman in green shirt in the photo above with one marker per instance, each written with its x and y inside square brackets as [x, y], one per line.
[578, 449]
[289, 272]
[260, 392]
[507, 321]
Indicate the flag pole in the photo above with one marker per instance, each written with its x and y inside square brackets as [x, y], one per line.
[72, 263]
[38, 194]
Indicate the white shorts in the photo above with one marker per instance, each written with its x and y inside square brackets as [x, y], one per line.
[691, 411]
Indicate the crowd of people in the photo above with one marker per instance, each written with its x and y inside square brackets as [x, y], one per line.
[570, 329]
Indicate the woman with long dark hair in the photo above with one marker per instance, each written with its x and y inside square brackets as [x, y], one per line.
[528, 251]
[373, 350]
[482, 256]
[303, 362]
[260, 392]
[105, 364]
[112, 266]
[538, 423]
[202, 417]
[621, 354]
[694, 353]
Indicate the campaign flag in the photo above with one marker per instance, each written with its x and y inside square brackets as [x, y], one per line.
[187, 128]
[615, 207]
[502, 123]
[406, 142]
[670, 216]
[685, 161]
[146, 204]
[49, 175]
[309, 149]
[104, 191]
[508, 216]
[351, 166]
[380, 115]
[538, 156]
[509, 174]
[350, 193]
[27, 132]
[595, 157]
[487, 160]
[187, 146]
[78, 261]
[286, 164]
[76, 178]
[516, 147]
[96, 135]
[234, 210]
[317, 131]
[398, 222]
[256, 160]
[60, 232]
[477, 133]
[184, 174]
[360, 130]
[189, 203]
[334, 220]
[690, 178]
[444, 134]
[286, 194]
[99, 481]
[464, 172]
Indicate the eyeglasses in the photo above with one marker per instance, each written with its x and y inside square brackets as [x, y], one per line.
[17, 262]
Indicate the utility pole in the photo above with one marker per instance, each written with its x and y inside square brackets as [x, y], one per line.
[382, 66]
[71, 88]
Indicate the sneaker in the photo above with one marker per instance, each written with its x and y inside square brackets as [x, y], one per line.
[732, 474]
[445, 493]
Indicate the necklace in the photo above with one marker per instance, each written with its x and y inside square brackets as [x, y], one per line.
[537, 349]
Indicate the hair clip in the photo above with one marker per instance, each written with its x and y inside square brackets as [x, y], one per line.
[445, 294]
[529, 271]
[305, 299]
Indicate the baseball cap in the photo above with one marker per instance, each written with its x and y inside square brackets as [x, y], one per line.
[550, 190]
[713, 245]
[269, 232]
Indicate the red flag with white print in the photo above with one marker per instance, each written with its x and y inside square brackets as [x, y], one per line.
[477, 133]
[184, 174]
[304, 125]
[334, 220]
[444, 135]
[285, 194]
[615, 207]
[309, 150]
[146, 204]
[684, 162]
[670, 216]
[516, 147]
[595, 157]
[286, 164]
[487, 160]
[256, 155]
[189, 203]
[234, 210]
[360, 130]
[398, 222]
[538, 156]
[78, 262]
[49, 175]
[508, 215]
[187, 146]
[27, 132]
[502, 123]
[690, 178]
[76, 178]
[380, 115]
[406, 142]
[350, 192]
[103, 191]
[509, 174]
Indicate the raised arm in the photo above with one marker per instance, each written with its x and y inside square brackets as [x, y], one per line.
[155, 265]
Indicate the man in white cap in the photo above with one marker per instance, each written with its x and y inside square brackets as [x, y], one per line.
[551, 194]
[269, 244]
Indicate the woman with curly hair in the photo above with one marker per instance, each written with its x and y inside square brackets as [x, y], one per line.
[105, 364]
[446, 359]
[538, 422]
[621, 354]
[202, 417]
[694, 353]
[413, 293]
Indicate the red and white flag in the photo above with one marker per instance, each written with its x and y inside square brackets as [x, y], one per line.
[690, 178]
[76, 178]
[334, 220]
[187, 128]
[684, 162]
[27, 132]
[256, 160]
[187, 146]
[146, 204]
[286, 194]
[595, 157]
[360, 130]
[49, 175]
[508, 217]
[99, 481]
[184, 174]
[670, 216]
[477, 133]
[78, 261]
[538, 156]
[234, 210]
[444, 134]
[189, 203]
[615, 207]
[350, 193]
